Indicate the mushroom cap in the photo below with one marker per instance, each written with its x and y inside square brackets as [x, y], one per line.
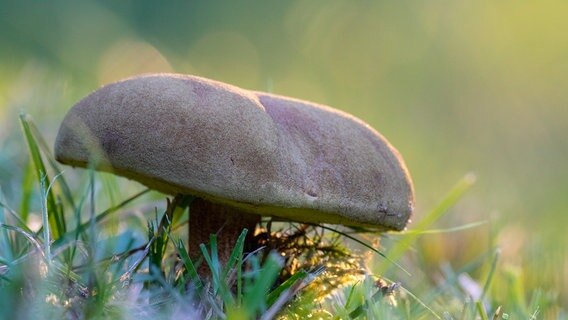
[258, 152]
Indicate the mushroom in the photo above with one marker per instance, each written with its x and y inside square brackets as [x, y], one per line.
[242, 154]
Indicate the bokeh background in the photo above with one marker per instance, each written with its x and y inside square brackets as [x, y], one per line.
[456, 86]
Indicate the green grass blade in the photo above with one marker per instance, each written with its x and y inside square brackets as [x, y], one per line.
[481, 310]
[421, 303]
[275, 294]
[218, 285]
[496, 256]
[56, 220]
[464, 227]
[398, 250]
[45, 219]
[189, 266]
[255, 295]
[209, 262]
[350, 296]
[236, 261]
[236, 252]
[215, 265]
[46, 149]
[240, 280]
[27, 191]
[456, 193]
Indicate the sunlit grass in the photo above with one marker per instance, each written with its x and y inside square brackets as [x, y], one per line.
[79, 266]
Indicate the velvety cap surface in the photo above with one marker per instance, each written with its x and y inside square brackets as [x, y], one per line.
[264, 153]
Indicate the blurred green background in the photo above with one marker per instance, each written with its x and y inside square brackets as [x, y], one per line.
[456, 86]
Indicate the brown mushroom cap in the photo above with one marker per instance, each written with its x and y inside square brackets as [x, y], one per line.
[258, 152]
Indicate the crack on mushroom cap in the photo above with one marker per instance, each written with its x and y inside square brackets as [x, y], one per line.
[259, 152]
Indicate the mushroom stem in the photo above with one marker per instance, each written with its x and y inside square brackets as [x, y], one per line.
[206, 218]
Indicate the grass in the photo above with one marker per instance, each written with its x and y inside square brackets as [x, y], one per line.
[77, 265]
